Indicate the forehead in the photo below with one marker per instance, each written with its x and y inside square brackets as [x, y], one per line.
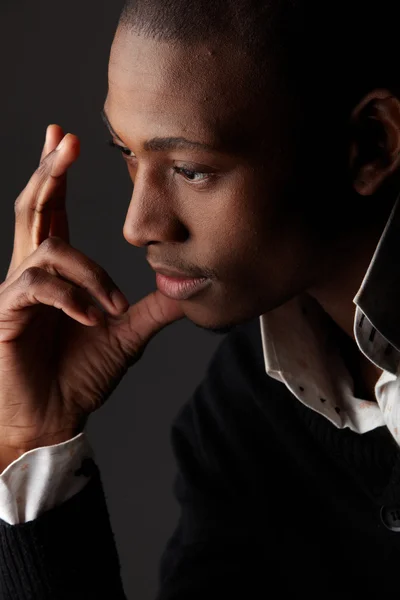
[201, 92]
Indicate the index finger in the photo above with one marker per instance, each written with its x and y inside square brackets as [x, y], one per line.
[54, 135]
[40, 210]
[54, 222]
[47, 199]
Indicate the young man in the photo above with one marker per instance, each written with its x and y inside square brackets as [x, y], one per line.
[263, 141]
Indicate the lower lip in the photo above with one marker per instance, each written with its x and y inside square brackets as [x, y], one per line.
[180, 288]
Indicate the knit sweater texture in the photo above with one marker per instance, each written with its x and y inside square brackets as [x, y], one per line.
[274, 500]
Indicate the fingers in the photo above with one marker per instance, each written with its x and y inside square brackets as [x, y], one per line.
[40, 209]
[54, 135]
[55, 220]
[35, 287]
[60, 259]
[46, 192]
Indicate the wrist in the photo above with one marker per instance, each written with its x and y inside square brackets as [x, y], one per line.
[8, 455]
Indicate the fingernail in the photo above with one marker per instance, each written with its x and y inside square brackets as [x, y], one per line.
[61, 144]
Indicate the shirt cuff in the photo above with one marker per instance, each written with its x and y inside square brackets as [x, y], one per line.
[44, 477]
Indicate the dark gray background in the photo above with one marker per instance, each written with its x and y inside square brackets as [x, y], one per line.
[54, 58]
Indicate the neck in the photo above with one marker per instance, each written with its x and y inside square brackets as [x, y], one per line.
[335, 294]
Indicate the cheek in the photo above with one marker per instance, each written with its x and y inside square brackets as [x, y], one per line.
[246, 229]
[232, 239]
[252, 225]
[259, 246]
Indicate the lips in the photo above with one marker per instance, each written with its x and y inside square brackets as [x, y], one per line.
[180, 288]
[177, 274]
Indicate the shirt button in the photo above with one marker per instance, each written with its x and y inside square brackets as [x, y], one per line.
[390, 517]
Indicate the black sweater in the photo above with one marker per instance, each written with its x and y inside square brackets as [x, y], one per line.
[274, 500]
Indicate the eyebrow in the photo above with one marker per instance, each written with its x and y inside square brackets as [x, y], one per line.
[158, 144]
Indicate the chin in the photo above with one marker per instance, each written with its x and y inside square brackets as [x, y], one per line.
[216, 322]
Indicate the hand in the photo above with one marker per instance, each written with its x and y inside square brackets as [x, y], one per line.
[58, 364]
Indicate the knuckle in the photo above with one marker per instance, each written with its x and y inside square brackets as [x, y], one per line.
[42, 169]
[52, 244]
[39, 174]
[17, 205]
[31, 275]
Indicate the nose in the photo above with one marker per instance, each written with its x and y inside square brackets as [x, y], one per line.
[152, 216]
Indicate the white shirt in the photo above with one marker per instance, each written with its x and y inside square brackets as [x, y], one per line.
[298, 351]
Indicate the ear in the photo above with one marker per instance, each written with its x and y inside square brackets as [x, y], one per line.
[375, 140]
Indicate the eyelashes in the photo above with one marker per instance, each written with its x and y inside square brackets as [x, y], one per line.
[122, 149]
[188, 174]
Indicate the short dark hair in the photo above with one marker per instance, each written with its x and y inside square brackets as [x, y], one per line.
[352, 44]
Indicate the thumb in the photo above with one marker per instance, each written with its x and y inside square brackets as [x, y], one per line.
[146, 318]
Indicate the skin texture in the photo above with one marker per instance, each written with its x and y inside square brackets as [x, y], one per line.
[278, 218]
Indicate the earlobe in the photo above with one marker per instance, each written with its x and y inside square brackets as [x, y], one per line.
[368, 181]
[375, 141]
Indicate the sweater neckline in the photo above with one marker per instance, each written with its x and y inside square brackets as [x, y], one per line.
[372, 458]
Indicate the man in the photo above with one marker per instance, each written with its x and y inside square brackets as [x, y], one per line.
[284, 201]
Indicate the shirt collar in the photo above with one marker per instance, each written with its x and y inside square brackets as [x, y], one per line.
[298, 346]
[379, 294]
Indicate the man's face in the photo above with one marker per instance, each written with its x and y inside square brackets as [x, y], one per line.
[235, 211]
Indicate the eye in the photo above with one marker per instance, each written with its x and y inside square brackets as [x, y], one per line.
[122, 149]
[190, 175]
